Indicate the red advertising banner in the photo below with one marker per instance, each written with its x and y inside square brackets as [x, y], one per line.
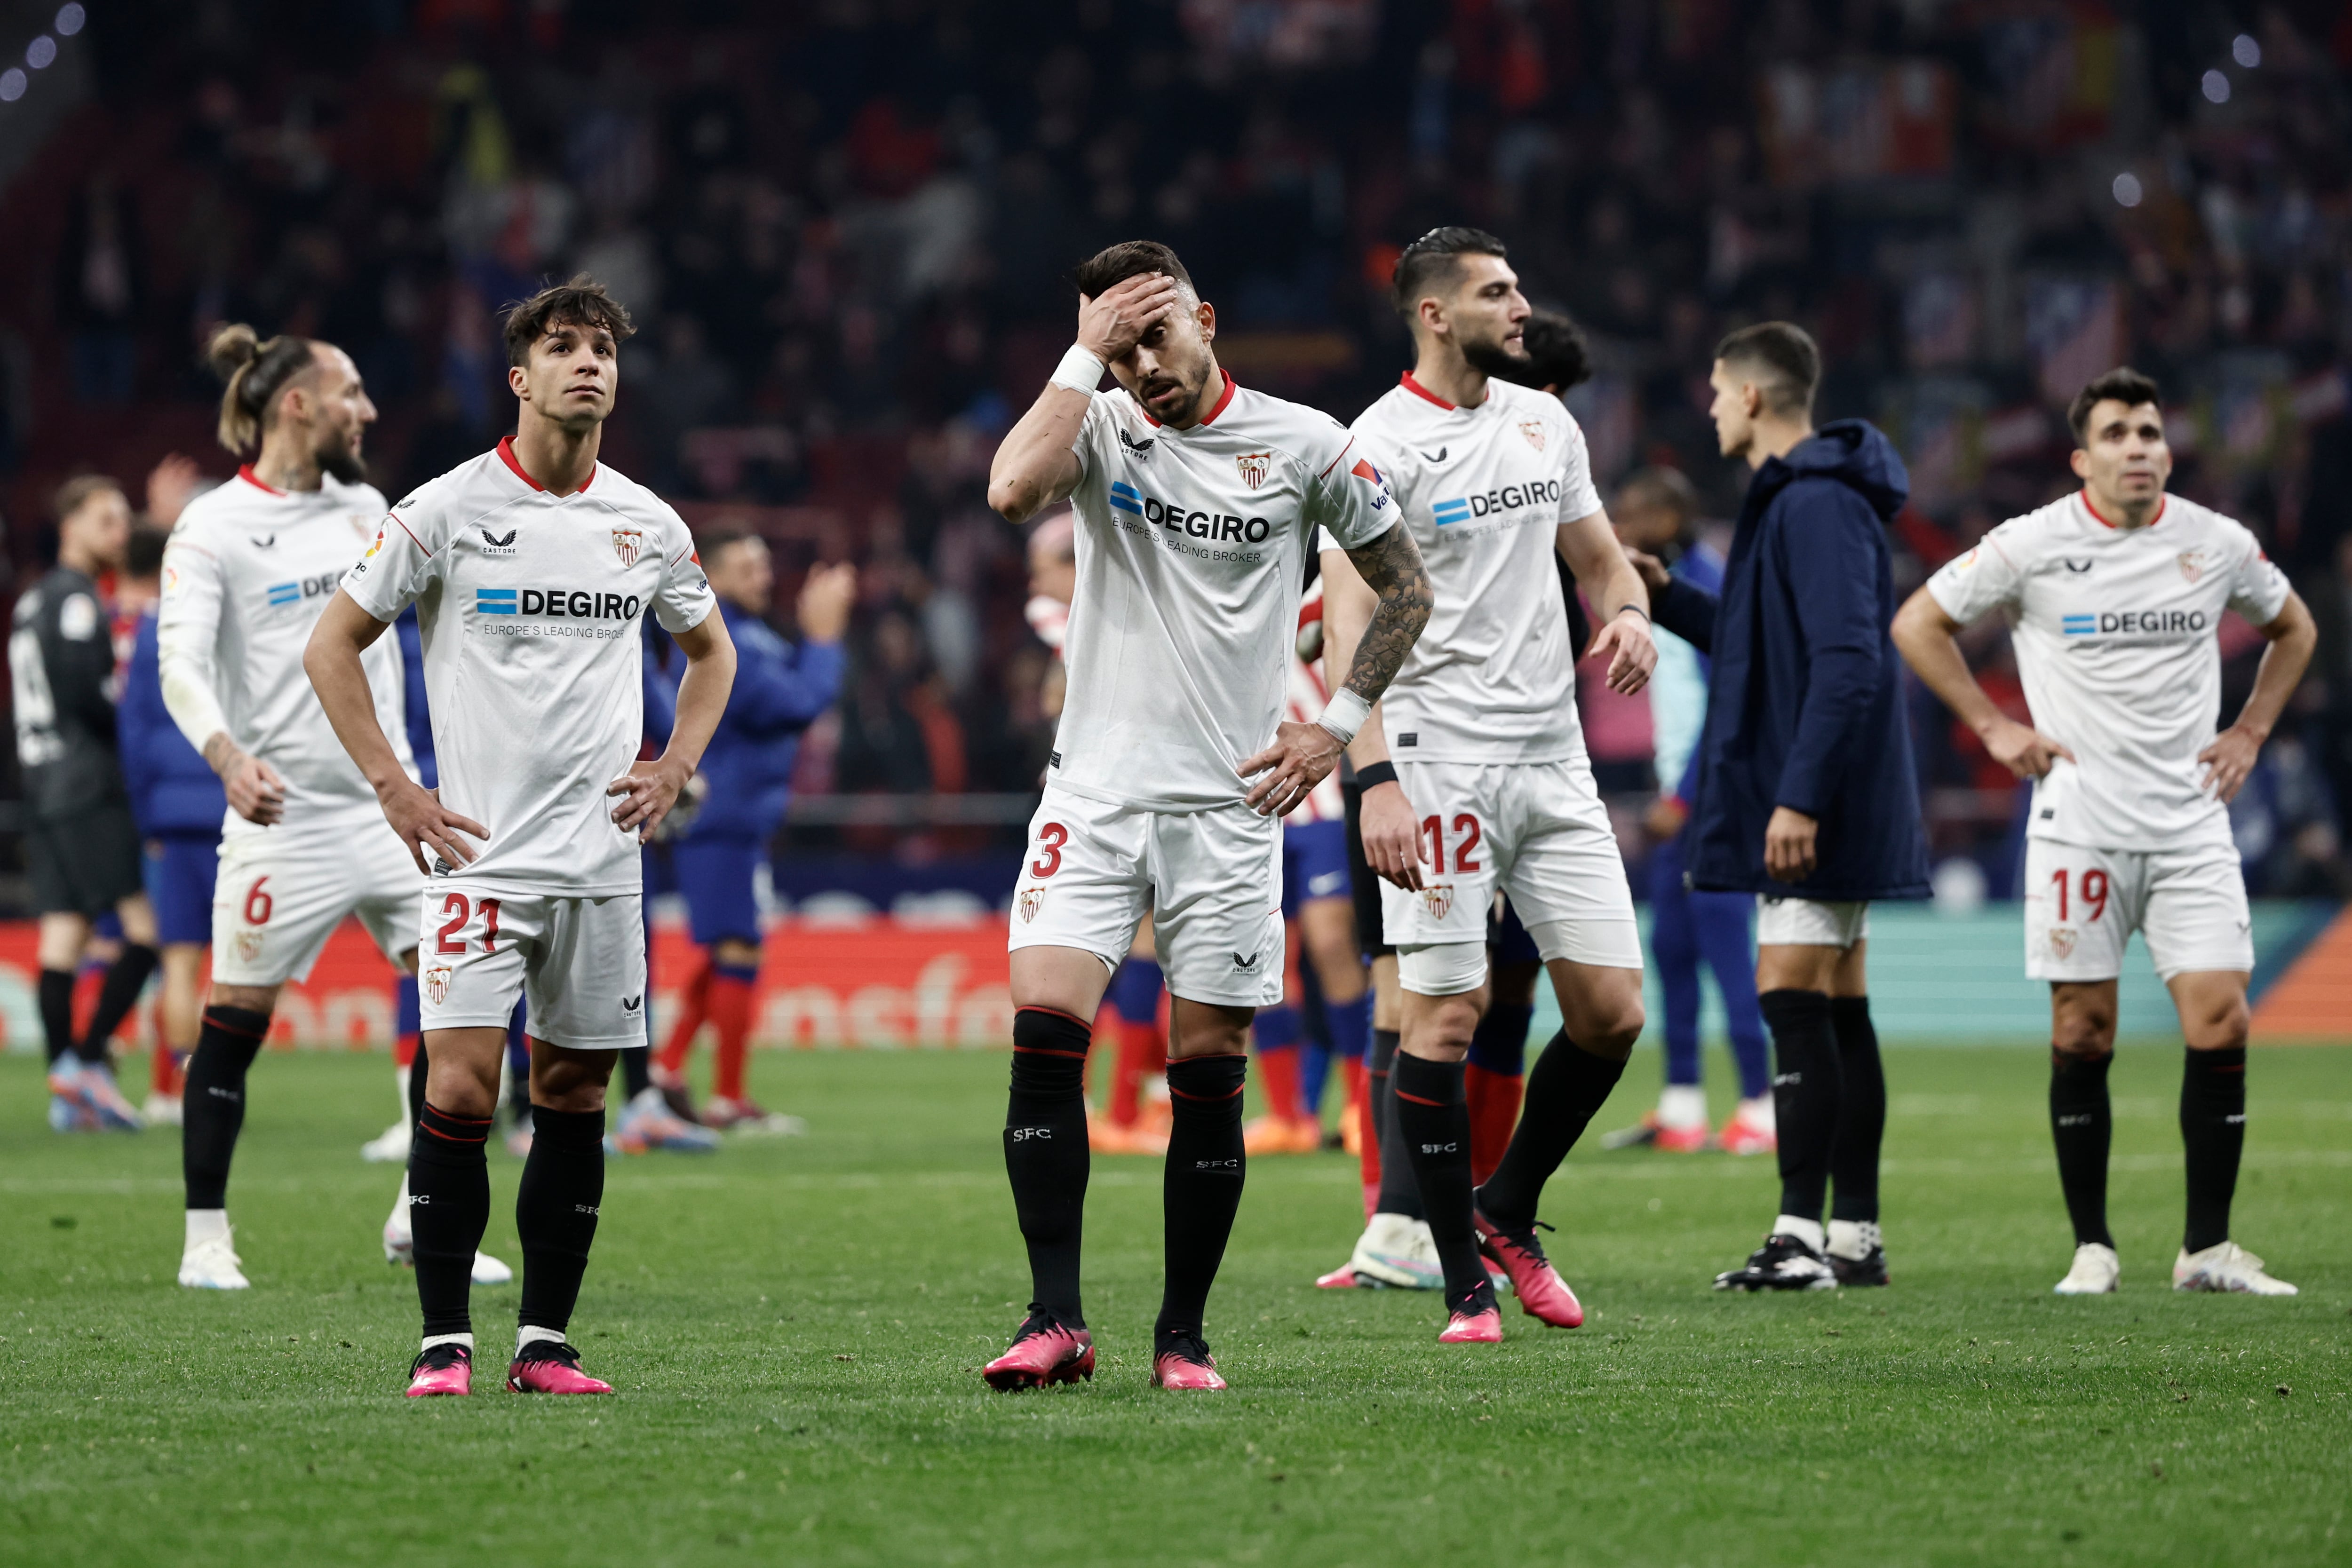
[880, 983]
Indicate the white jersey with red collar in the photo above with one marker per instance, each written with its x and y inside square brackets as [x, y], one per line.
[1304, 704]
[1191, 545]
[1484, 489]
[530, 605]
[2116, 631]
[246, 575]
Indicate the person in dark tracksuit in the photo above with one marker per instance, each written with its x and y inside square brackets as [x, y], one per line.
[780, 690]
[178, 803]
[81, 847]
[1805, 794]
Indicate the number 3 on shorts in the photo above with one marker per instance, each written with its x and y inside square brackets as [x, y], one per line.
[450, 938]
[1050, 840]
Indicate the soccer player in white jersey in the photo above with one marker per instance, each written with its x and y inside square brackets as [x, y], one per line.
[1196, 502]
[248, 571]
[2114, 595]
[530, 568]
[1476, 777]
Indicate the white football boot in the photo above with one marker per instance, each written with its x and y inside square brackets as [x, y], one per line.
[1399, 1253]
[2226, 1266]
[2096, 1268]
[208, 1263]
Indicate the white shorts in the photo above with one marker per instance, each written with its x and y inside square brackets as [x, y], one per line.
[1537, 830]
[1811, 921]
[2082, 904]
[281, 895]
[1211, 881]
[579, 963]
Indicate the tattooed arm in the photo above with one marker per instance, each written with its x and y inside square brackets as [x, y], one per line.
[1303, 754]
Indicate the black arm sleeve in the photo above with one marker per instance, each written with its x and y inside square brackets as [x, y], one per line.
[1687, 611]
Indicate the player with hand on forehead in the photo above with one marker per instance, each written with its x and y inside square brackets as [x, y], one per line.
[2113, 597]
[1196, 502]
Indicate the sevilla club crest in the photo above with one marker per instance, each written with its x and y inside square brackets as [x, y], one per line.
[1534, 431]
[1438, 900]
[436, 983]
[1254, 466]
[2193, 565]
[1031, 901]
[627, 543]
[2062, 941]
[249, 946]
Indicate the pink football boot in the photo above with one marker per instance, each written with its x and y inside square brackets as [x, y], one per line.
[1044, 1350]
[1187, 1363]
[1540, 1289]
[551, 1367]
[443, 1369]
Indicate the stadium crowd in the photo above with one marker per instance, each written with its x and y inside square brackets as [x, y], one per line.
[843, 230]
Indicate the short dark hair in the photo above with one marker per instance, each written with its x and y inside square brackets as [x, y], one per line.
[1557, 355]
[1113, 264]
[2123, 384]
[1436, 259]
[145, 557]
[710, 542]
[76, 493]
[1660, 486]
[582, 302]
[1789, 355]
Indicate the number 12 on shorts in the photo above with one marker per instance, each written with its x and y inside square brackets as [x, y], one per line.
[461, 911]
[1466, 833]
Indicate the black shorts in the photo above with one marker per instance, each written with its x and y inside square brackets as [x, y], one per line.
[83, 864]
[1361, 883]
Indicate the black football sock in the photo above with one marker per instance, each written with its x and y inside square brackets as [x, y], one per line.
[416, 1078]
[1567, 1086]
[449, 1209]
[2214, 1135]
[1434, 1120]
[2082, 1124]
[57, 1011]
[562, 1187]
[213, 1104]
[1202, 1188]
[1861, 1111]
[1805, 1095]
[1045, 1153]
[120, 993]
[636, 1070]
[1399, 1193]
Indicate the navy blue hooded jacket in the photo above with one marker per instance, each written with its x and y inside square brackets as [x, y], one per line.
[171, 788]
[1804, 700]
[780, 690]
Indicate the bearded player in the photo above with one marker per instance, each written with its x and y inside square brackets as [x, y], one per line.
[246, 575]
[1474, 775]
[530, 568]
[1196, 503]
[2113, 597]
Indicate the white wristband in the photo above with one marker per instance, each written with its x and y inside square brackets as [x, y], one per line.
[1079, 370]
[1345, 715]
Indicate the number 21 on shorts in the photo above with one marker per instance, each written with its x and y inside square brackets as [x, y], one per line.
[460, 910]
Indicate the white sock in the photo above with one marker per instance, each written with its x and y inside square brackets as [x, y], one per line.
[464, 1338]
[531, 1333]
[1808, 1231]
[1853, 1239]
[1681, 1105]
[207, 1225]
[399, 1221]
[1758, 1113]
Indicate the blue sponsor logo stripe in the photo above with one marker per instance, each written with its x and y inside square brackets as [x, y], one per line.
[496, 602]
[1454, 511]
[285, 593]
[1126, 497]
[2077, 625]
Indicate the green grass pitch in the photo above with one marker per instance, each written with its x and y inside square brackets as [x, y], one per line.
[795, 1325]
